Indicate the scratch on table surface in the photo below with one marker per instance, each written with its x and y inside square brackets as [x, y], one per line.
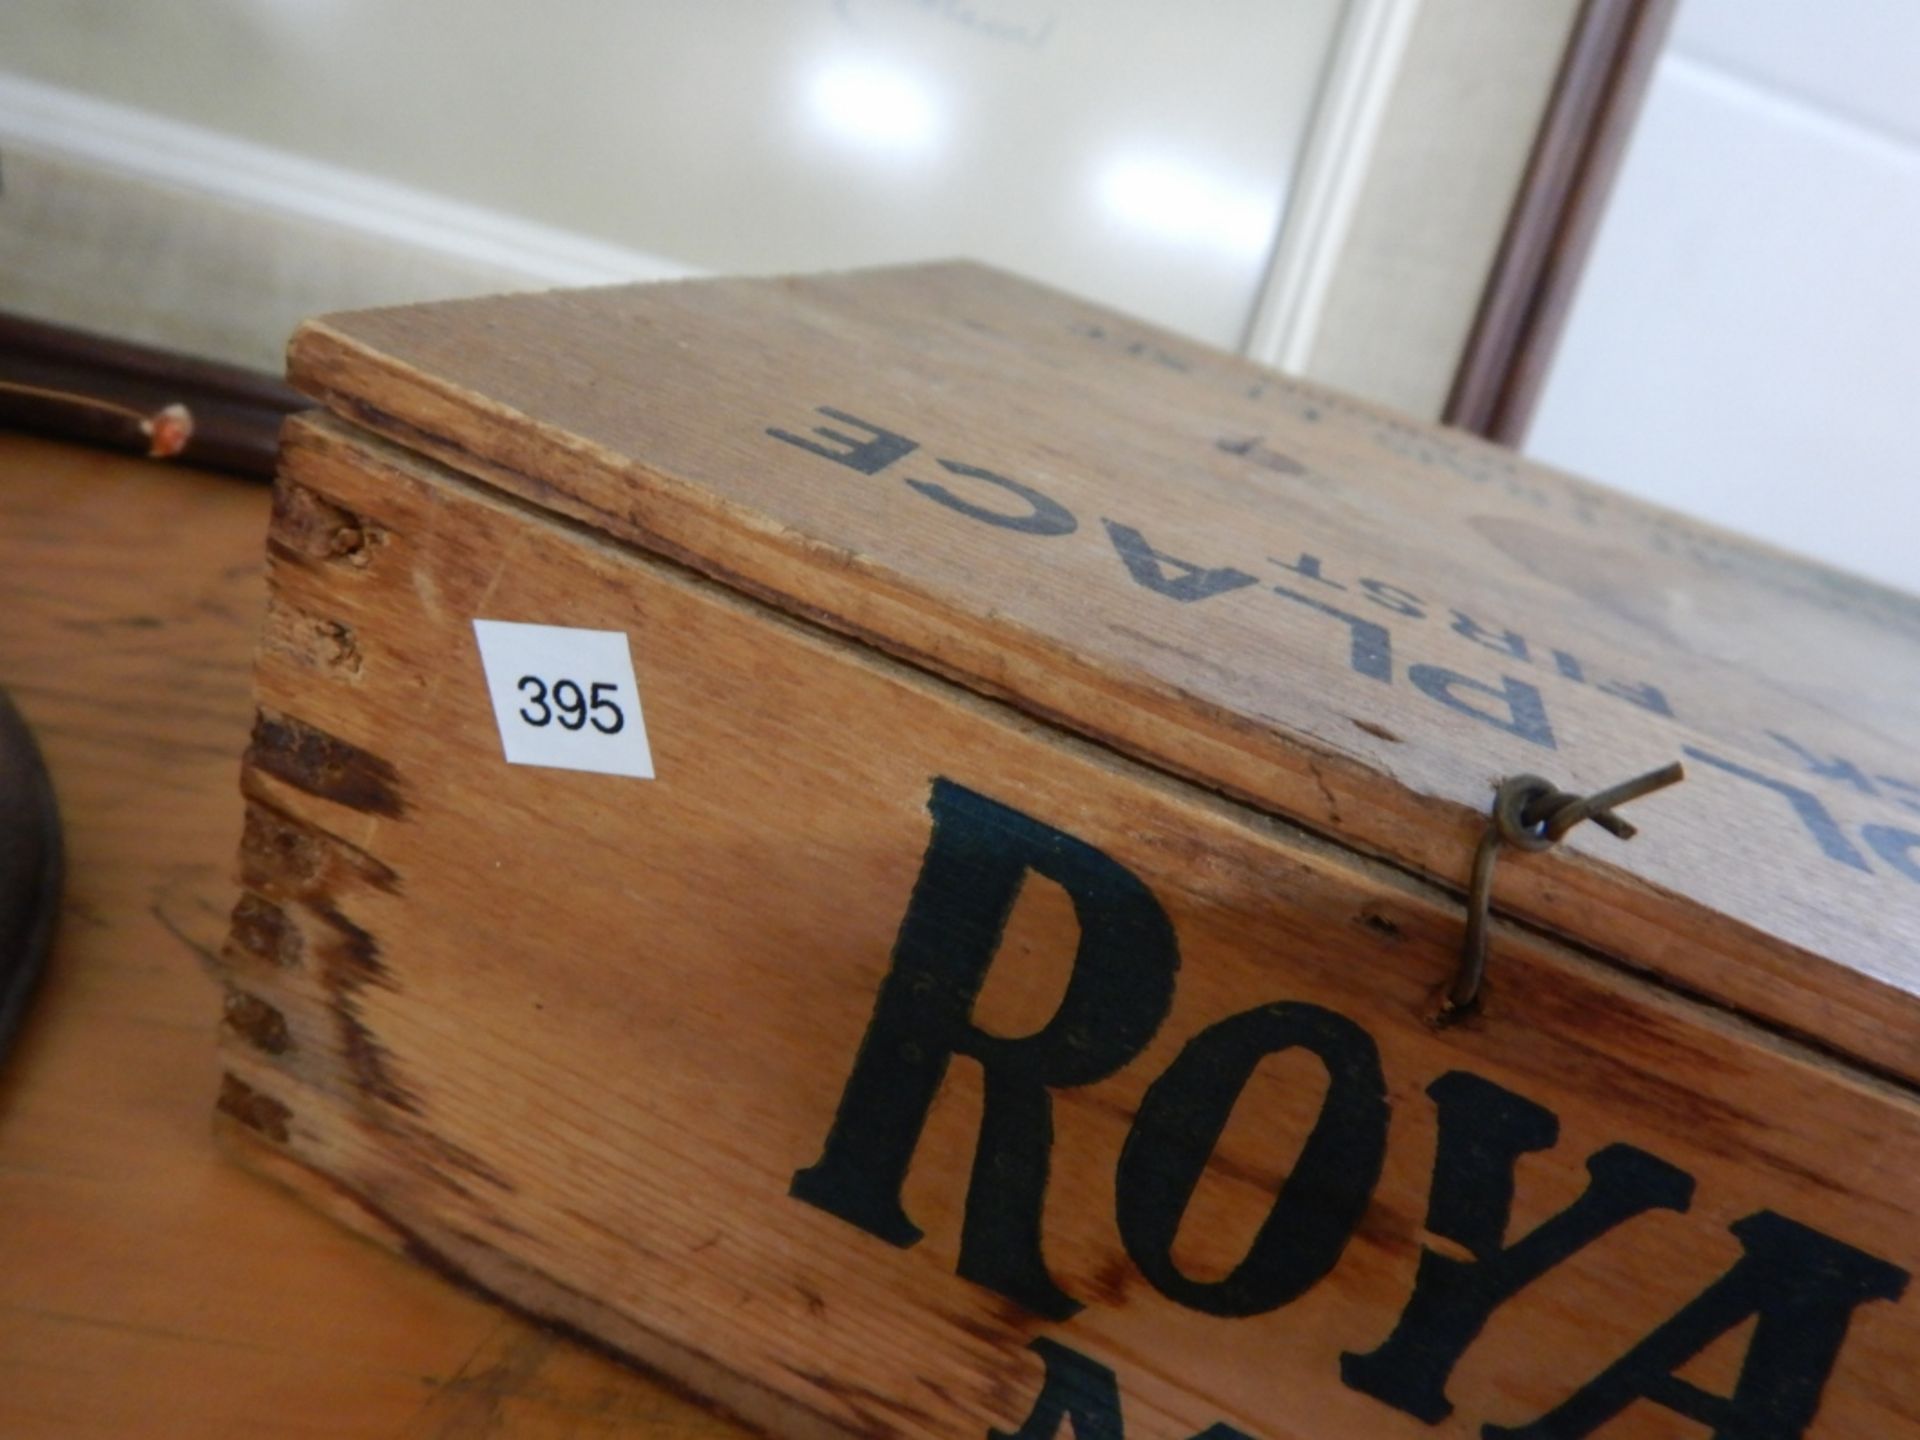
[470, 1402]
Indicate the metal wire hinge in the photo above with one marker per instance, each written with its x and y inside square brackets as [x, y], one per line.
[1532, 814]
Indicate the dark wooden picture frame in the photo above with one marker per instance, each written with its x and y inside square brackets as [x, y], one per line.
[1576, 155]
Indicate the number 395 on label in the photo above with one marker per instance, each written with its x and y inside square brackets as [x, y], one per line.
[564, 698]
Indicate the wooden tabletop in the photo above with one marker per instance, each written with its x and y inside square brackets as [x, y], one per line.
[148, 1286]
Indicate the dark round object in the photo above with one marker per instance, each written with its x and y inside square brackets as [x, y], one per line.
[31, 868]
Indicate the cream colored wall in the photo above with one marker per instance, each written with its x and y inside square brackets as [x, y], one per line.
[1745, 341]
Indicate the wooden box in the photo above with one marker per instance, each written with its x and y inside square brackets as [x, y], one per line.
[983, 965]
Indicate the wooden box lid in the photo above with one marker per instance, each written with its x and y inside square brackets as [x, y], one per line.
[1312, 605]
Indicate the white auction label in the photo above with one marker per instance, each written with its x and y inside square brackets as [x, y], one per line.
[565, 698]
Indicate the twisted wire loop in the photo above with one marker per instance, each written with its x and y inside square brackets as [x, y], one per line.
[1530, 813]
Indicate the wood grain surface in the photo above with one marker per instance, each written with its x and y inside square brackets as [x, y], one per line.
[148, 1287]
[581, 1038]
[1318, 608]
